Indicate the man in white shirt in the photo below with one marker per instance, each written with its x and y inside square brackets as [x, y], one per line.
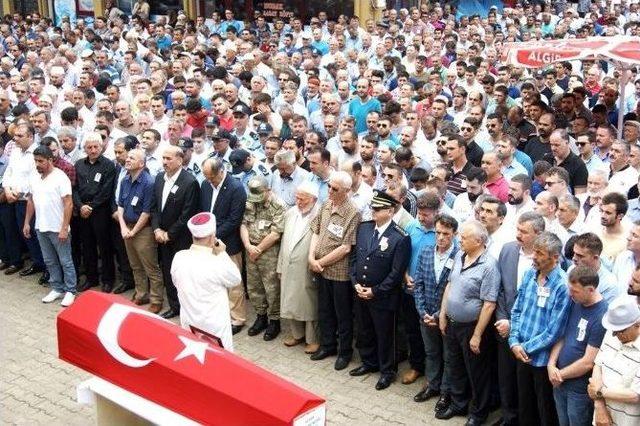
[628, 260]
[361, 193]
[50, 201]
[519, 199]
[149, 141]
[568, 217]
[622, 175]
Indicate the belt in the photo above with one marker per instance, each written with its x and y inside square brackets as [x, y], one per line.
[459, 323]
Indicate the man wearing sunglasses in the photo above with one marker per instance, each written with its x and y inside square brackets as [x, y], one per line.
[383, 251]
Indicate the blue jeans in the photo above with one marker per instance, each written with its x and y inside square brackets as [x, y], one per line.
[57, 257]
[435, 351]
[574, 408]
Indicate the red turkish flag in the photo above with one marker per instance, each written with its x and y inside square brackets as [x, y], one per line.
[115, 340]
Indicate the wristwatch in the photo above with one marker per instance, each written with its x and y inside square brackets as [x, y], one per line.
[599, 394]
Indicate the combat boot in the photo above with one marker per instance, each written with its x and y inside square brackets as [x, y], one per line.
[258, 326]
[272, 330]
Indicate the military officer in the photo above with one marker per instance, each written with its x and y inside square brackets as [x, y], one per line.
[247, 138]
[262, 226]
[377, 270]
[245, 166]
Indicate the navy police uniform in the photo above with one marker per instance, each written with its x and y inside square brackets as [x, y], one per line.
[379, 263]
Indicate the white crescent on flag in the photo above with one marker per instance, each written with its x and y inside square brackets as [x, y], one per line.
[109, 327]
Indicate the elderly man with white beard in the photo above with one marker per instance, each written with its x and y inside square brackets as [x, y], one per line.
[298, 293]
[202, 275]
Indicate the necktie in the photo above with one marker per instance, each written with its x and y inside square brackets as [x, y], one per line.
[374, 240]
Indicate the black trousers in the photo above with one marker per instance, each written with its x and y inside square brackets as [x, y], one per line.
[76, 243]
[335, 315]
[167, 252]
[469, 374]
[11, 239]
[95, 235]
[126, 275]
[411, 320]
[536, 405]
[376, 337]
[507, 382]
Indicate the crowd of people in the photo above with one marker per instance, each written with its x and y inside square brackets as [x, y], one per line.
[393, 183]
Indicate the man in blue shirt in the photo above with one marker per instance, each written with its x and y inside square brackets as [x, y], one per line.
[537, 321]
[573, 356]
[362, 105]
[134, 213]
[430, 278]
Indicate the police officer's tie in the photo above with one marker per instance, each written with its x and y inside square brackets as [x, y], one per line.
[374, 240]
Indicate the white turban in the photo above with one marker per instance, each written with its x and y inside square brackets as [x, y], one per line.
[202, 225]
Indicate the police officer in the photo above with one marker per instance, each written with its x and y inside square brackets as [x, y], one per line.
[245, 166]
[247, 138]
[264, 131]
[262, 226]
[223, 142]
[381, 259]
[194, 169]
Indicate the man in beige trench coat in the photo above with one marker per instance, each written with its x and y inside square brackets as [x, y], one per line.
[298, 292]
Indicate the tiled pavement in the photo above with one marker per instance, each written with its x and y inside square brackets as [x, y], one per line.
[37, 388]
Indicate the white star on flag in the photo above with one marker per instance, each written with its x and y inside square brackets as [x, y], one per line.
[193, 348]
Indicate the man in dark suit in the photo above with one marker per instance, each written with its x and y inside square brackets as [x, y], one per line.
[176, 195]
[515, 258]
[225, 197]
[377, 271]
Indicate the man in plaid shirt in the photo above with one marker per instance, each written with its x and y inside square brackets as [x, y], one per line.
[538, 319]
[431, 278]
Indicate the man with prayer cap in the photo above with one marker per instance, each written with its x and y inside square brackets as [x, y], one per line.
[202, 275]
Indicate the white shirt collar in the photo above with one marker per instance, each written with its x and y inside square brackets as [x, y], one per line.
[383, 228]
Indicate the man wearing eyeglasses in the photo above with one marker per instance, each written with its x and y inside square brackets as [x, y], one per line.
[562, 156]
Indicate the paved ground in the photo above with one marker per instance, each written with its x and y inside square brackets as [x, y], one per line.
[37, 388]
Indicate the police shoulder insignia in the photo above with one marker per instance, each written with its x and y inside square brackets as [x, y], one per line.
[263, 170]
[400, 230]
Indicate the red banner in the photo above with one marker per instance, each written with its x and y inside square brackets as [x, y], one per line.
[111, 338]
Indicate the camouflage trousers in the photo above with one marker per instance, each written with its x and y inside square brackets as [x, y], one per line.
[263, 285]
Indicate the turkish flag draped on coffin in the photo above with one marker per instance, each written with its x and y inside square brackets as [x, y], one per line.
[151, 357]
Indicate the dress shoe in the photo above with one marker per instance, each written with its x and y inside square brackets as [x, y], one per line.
[362, 370]
[12, 269]
[311, 348]
[384, 382]
[341, 363]
[425, 394]
[3, 266]
[449, 413]
[86, 286]
[272, 330]
[410, 376]
[31, 270]
[122, 287]
[154, 308]
[473, 421]
[107, 287]
[322, 354]
[140, 300]
[291, 341]
[169, 313]
[258, 326]
[44, 278]
[443, 403]
[235, 329]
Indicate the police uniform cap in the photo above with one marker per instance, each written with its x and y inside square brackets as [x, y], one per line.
[223, 134]
[382, 200]
[257, 187]
[264, 129]
[185, 143]
[241, 109]
[237, 159]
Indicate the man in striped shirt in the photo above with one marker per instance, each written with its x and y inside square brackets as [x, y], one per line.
[538, 318]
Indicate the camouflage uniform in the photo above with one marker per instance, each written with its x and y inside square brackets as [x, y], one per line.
[262, 281]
